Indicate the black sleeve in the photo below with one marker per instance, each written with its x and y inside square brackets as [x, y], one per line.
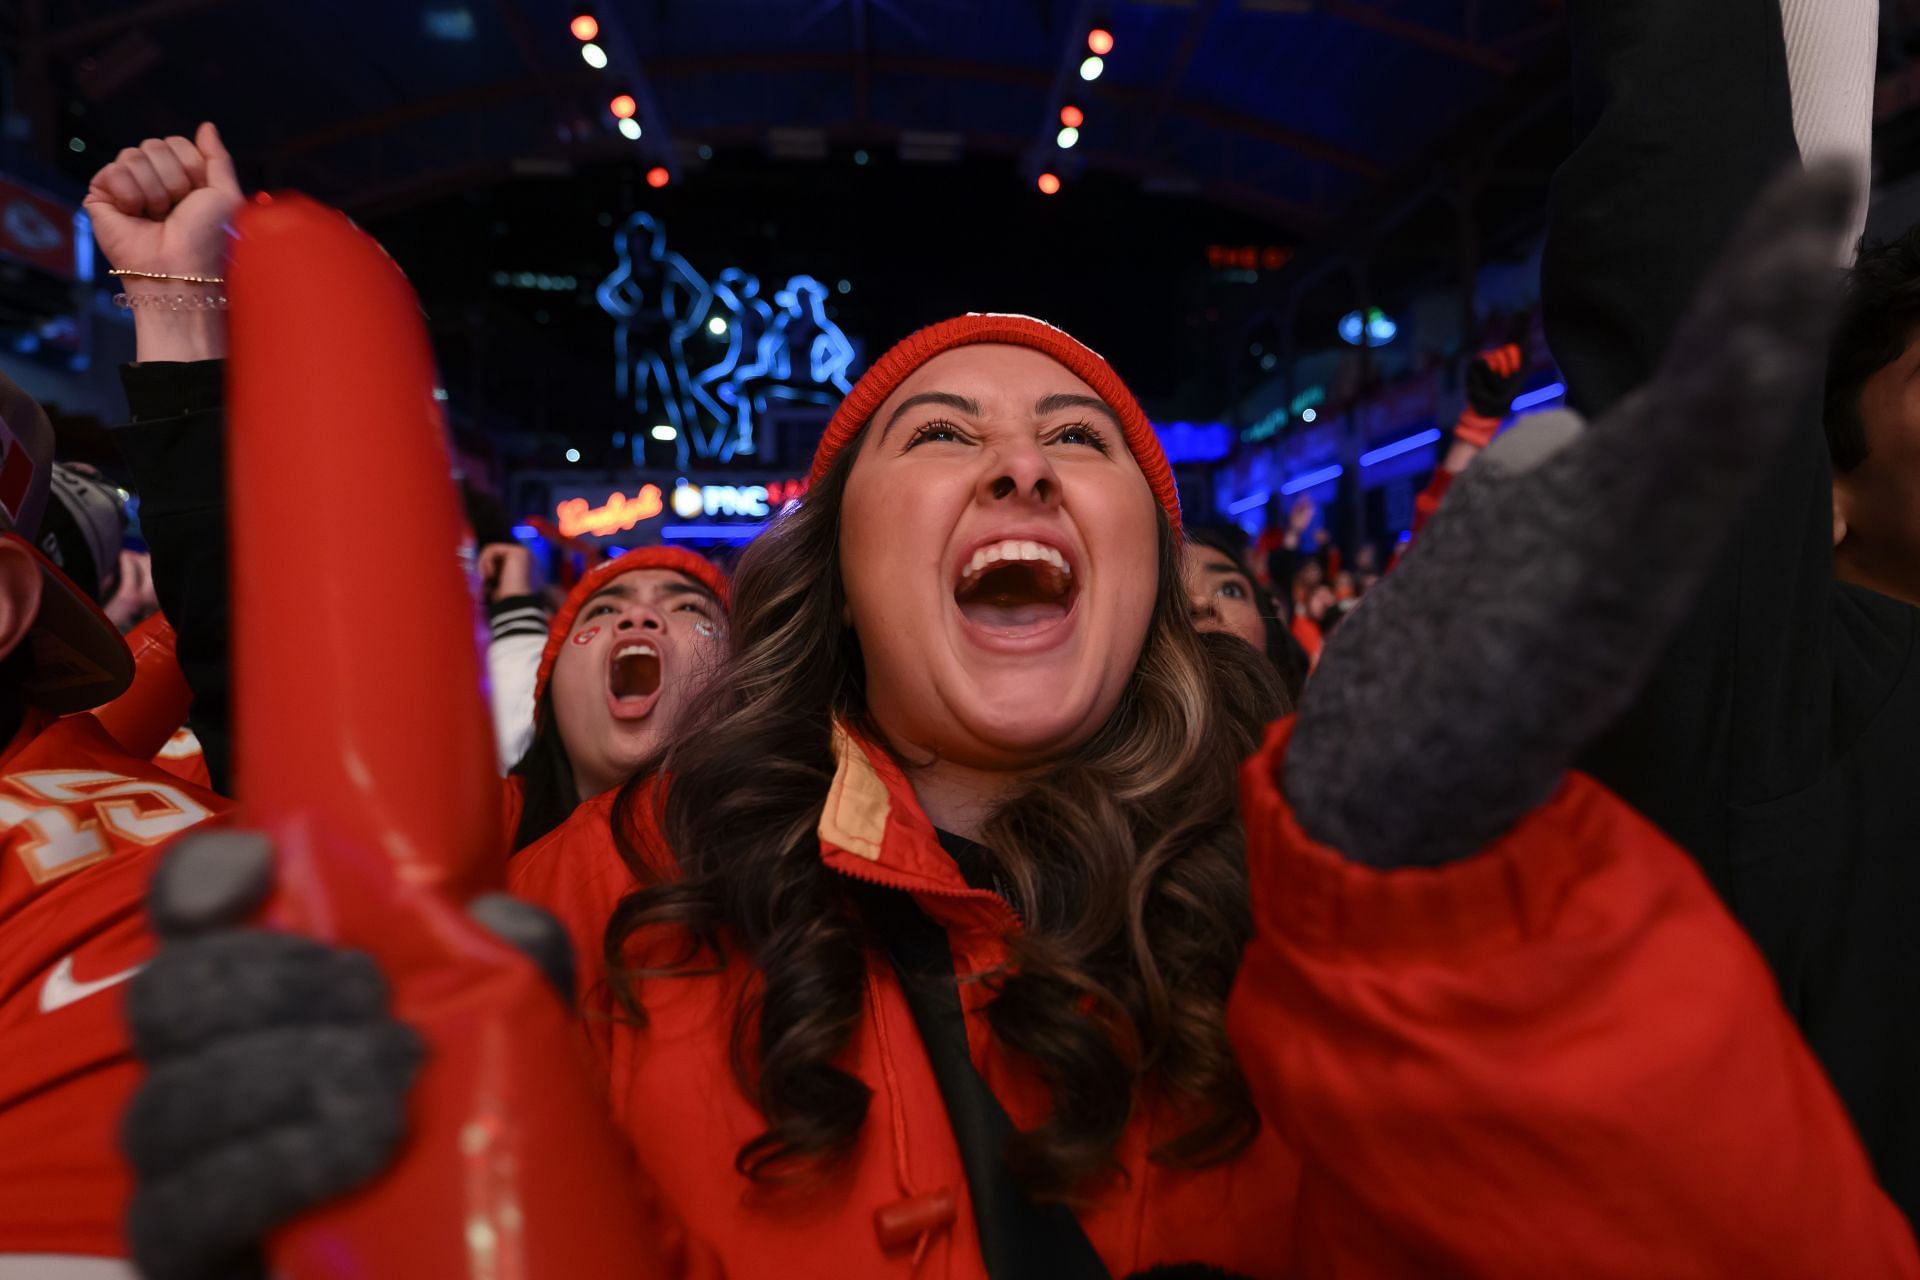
[175, 446]
[518, 616]
[1282, 563]
[1683, 114]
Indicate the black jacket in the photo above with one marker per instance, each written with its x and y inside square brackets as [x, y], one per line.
[1779, 741]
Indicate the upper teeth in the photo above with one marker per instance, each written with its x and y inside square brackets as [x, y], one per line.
[1014, 549]
[632, 650]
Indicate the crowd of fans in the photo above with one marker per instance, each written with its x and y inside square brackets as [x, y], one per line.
[1025, 875]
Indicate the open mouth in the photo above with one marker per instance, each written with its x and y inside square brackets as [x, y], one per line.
[633, 677]
[1015, 588]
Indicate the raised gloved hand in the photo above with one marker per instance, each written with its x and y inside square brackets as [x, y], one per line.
[1535, 604]
[1493, 380]
[277, 1077]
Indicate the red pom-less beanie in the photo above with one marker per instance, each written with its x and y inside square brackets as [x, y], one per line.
[893, 368]
[678, 559]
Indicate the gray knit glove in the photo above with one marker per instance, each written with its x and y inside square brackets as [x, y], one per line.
[1540, 596]
[277, 1076]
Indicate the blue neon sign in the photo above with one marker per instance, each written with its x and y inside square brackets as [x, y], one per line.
[707, 357]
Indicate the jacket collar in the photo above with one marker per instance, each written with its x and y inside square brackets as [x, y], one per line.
[873, 828]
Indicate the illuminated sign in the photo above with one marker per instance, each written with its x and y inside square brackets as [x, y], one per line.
[750, 501]
[1269, 426]
[706, 357]
[1247, 257]
[1380, 327]
[580, 516]
[576, 516]
[1266, 428]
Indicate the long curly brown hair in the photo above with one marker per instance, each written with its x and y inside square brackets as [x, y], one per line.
[1125, 861]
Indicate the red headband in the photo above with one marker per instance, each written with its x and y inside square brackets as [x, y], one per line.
[678, 559]
[893, 368]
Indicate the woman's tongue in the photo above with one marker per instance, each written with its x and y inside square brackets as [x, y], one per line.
[635, 675]
[1013, 599]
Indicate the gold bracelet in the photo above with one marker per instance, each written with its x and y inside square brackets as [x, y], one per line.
[161, 275]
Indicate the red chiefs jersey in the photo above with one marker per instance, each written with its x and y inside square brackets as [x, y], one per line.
[81, 826]
[183, 758]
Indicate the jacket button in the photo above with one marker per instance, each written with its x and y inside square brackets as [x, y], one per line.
[904, 1221]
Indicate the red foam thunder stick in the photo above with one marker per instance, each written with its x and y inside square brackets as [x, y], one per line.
[364, 749]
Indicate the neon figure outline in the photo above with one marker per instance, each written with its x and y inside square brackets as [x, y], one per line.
[788, 350]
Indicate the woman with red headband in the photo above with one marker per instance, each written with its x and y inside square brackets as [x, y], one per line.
[946, 944]
[627, 654]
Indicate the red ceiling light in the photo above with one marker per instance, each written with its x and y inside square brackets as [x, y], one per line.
[584, 26]
[1072, 117]
[1049, 184]
[1100, 41]
[658, 177]
[623, 106]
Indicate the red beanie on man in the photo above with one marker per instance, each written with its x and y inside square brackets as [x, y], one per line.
[677, 559]
[898, 364]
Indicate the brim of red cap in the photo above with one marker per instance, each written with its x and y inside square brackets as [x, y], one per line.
[690, 565]
[80, 659]
[978, 328]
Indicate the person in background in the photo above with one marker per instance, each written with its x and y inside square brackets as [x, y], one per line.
[1775, 740]
[1323, 612]
[82, 826]
[1872, 417]
[134, 601]
[1287, 553]
[581, 711]
[1222, 596]
[625, 656]
[82, 530]
[1494, 378]
[81, 534]
[961, 930]
[517, 620]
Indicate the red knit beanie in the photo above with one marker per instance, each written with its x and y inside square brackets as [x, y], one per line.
[893, 368]
[679, 560]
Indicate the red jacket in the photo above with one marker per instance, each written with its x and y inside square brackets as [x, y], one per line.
[1558, 1058]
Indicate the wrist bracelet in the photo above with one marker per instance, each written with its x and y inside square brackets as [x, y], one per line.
[129, 274]
[171, 301]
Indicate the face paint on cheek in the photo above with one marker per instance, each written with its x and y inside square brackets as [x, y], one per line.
[704, 628]
[586, 637]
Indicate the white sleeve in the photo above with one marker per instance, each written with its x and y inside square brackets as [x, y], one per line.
[513, 659]
[1831, 50]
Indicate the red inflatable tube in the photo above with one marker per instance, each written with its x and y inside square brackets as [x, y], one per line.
[363, 746]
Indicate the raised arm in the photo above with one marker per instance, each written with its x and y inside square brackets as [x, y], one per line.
[1505, 1019]
[162, 209]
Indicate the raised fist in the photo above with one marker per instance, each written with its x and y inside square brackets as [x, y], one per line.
[164, 206]
[507, 570]
[1493, 380]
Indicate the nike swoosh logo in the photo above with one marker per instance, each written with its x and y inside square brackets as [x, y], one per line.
[62, 989]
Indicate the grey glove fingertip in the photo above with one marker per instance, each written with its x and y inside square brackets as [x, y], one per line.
[537, 935]
[211, 878]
